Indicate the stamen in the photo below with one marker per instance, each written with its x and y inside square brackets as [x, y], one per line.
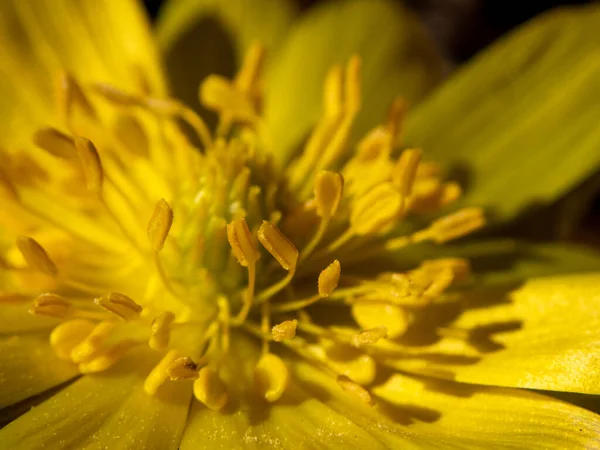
[105, 360]
[271, 377]
[247, 77]
[70, 95]
[278, 245]
[210, 389]
[370, 336]
[160, 224]
[329, 278]
[161, 331]
[90, 164]
[91, 346]
[35, 256]
[285, 330]
[355, 389]
[56, 143]
[51, 305]
[376, 209]
[457, 224]
[405, 171]
[369, 314]
[66, 336]
[395, 117]
[120, 304]
[183, 369]
[159, 373]
[218, 94]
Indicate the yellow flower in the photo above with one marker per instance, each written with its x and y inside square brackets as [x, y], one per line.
[278, 280]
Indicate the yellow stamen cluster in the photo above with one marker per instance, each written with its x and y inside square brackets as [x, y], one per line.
[241, 247]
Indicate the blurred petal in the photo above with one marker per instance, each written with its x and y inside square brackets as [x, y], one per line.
[29, 366]
[397, 59]
[522, 118]
[202, 37]
[94, 40]
[110, 410]
[16, 319]
[544, 335]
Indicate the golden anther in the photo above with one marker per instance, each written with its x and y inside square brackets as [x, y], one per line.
[159, 224]
[161, 331]
[183, 369]
[66, 336]
[271, 377]
[90, 164]
[328, 193]
[119, 304]
[51, 305]
[370, 336]
[116, 96]
[56, 143]
[159, 373]
[278, 245]
[355, 389]
[106, 359]
[376, 209]
[217, 93]
[242, 245]
[91, 346]
[35, 255]
[329, 278]
[457, 224]
[405, 171]
[285, 330]
[210, 389]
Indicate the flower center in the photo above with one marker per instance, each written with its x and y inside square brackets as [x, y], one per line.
[142, 239]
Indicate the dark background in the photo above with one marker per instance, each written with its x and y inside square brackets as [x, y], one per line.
[463, 27]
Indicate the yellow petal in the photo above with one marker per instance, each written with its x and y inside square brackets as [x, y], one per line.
[29, 366]
[521, 119]
[204, 37]
[94, 40]
[15, 318]
[111, 410]
[543, 335]
[397, 59]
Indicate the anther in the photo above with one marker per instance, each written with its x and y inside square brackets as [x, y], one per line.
[329, 278]
[285, 330]
[376, 209]
[370, 336]
[56, 143]
[328, 193]
[278, 245]
[355, 389]
[66, 336]
[271, 377]
[159, 373]
[91, 346]
[35, 255]
[242, 245]
[332, 92]
[457, 224]
[159, 225]
[405, 171]
[161, 331]
[210, 389]
[119, 304]
[51, 305]
[90, 164]
[107, 358]
[183, 369]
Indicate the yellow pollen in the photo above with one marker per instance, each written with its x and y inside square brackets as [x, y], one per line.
[271, 377]
[457, 224]
[210, 389]
[90, 164]
[329, 278]
[91, 346]
[279, 246]
[328, 193]
[51, 305]
[370, 336]
[405, 171]
[356, 390]
[159, 373]
[120, 304]
[161, 331]
[242, 245]
[183, 369]
[35, 256]
[69, 334]
[285, 330]
[159, 225]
